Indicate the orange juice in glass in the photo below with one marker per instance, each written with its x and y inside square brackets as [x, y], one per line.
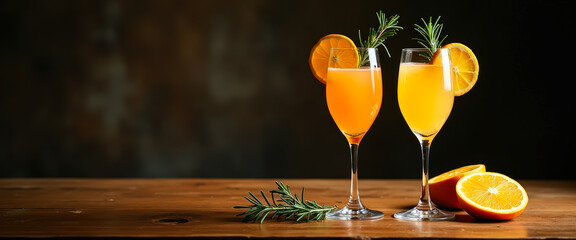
[425, 99]
[354, 97]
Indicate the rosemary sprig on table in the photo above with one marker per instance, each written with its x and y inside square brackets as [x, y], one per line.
[376, 37]
[431, 36]
[290, 207]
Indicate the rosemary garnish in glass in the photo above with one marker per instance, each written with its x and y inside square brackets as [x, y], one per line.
[290, 207]
[431, 36]
[376, 37]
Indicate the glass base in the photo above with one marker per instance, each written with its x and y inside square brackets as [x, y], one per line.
[416, 214]
[346, 213]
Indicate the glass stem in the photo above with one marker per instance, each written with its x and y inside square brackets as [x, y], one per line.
[354, 203]
[425, 204]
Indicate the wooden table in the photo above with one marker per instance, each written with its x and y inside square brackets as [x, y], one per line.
[202, 208]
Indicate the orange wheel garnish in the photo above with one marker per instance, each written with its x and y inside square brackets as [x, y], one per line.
[320, 54]
[465, 67]
[491, 196]
[443, 186]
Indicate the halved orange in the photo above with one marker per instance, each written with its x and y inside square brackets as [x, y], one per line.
[443, 187]
[492, 196]
[320, 54]
[465, 67]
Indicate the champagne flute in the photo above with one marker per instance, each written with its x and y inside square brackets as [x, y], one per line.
[425, 96]
[354, 97]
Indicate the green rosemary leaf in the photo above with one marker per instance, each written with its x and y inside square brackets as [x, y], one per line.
[300, 216]
[388, 27]
[265, 198]
[259, 215]
[264, 217]
[249, 212]
[431, 33]
[250, 200]
[274, 200]
[317, 217]
[255, 198]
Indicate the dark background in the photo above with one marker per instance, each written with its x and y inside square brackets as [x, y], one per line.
[223, 89]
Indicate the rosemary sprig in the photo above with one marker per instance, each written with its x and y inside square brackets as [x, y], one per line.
[376, 37]
[290, 207]
[431, 36]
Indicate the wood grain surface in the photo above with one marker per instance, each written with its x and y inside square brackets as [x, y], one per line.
[202, 208]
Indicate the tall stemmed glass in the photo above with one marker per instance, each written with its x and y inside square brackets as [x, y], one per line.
[425, 96]
[354, 96]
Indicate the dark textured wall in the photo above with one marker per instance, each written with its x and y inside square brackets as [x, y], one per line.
[223, 89]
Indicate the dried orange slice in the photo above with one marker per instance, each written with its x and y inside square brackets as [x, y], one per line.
[443, 187]
[465, 67]
[492, 196]
[320, 54]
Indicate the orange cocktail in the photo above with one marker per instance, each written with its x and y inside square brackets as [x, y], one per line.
[354, 97]
[353, 79]
[425, 96]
